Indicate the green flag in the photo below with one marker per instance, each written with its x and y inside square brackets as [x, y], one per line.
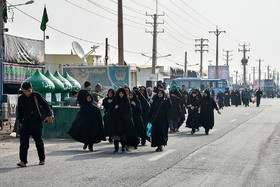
[45, 19]
[5, 15]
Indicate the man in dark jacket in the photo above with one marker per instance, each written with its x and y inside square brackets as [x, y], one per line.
[30, 122]
[259, 94]
[83, 93]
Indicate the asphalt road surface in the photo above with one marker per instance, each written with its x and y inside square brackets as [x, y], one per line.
[243, 149]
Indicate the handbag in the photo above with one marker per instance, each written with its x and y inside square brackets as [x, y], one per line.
[41, 111]
[149, 130]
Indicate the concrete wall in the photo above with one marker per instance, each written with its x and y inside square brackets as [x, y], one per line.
[54, 62]
[145, 74]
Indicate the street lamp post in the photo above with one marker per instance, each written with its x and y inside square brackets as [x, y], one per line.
[2, 28]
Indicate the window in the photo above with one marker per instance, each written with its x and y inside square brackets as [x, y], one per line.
[195, 84]
[184, 82]
[213, 84]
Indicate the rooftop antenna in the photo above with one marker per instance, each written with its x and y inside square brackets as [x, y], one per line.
[80, 52]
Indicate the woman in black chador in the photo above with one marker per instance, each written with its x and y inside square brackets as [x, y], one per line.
[159, 117]
[145, 113]
[123, 127]
[193, 105]
[207, 111]
[137, 115]
[220, 98]
[87, 127]
[107, 118]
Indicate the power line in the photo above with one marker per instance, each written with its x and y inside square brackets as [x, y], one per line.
[182, 18]
[101, 15]
[198, 13]
[189, 14]
[75, 37]
[114, 12]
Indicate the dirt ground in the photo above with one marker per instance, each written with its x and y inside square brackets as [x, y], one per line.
[6, 131]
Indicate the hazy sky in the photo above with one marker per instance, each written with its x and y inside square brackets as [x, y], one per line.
[251, 21]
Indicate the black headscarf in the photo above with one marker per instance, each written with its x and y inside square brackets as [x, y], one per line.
[145, 91]
[113, 92]
[208, 94]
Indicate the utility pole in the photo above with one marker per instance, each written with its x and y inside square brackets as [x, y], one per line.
[254, 71]
[228, 55]
[217, 33]
[236, 75]
[106, 52]
[120, 33]
[244, 61]
[186, 63]
[2, 25]
[260, 73]
[268, 76]
[155, 32]
[201, 50]
[277, 80]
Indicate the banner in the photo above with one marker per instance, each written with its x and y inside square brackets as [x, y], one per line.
[109, 77]
[223, 72]
[16, 74]
[23, 50]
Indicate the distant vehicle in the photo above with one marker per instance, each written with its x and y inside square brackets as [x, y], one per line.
[202, 84]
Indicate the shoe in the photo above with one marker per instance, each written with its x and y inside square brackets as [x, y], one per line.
[143, 142]
[159, 149]
[90, 149]
[21, 164]
[42, 162]
[85, 147]
[207, 132]
[115, 152]
[135, 147]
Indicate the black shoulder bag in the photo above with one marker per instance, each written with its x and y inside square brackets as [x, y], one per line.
[41, 110]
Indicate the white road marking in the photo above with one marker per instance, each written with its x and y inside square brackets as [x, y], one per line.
[154, 158]
[246, 114]
[233, 120]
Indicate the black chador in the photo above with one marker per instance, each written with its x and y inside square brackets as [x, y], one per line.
[87, 127]
[159, 117]
[193, 105]
[236, 98]
[145, 113]
[137, 115]
[107, 118]
[123, 126]
[227, 98]
[207, 111]
[220, 98]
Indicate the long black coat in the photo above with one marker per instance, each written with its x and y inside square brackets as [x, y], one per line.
[227, 98]
[193, 117]
[175, 110]
[207, 112]
[159, 132]
[107, 118]
[137, 118]
[145, 105]
[123, 125]
[87, 127]
[220, 98]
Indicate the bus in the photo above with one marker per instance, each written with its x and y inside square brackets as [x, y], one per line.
[201, 84]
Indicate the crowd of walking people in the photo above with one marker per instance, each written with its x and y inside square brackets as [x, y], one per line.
[131, 116]
[127, 113]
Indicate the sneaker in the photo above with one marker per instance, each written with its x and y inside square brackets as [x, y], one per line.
[42, 162]
[21, 164]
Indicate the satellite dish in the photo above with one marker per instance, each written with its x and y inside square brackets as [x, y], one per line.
[80, 52]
